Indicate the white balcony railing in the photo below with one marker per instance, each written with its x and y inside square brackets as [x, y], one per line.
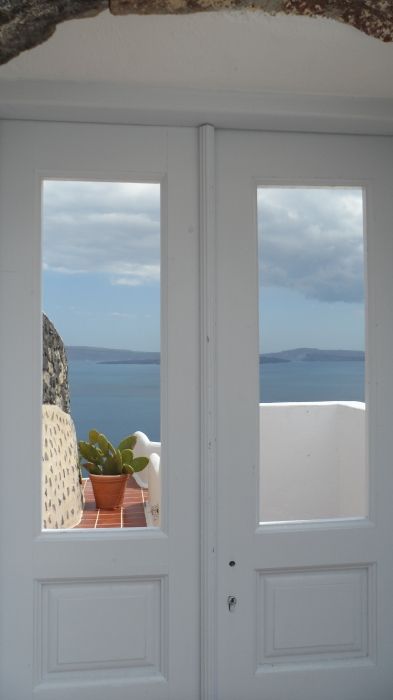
[312, 461]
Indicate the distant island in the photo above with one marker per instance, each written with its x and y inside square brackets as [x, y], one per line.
[110, 356]
[312, 355]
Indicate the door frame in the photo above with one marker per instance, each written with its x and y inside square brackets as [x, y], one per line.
[103, 102]
[36, 100]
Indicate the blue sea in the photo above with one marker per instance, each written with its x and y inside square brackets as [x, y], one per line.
[120, 399]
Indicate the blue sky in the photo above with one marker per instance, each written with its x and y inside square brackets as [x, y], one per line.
[101, 261]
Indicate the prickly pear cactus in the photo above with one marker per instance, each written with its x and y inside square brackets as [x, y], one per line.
[101, 457]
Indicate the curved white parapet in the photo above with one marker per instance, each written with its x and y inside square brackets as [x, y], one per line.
[144, 448]
[150, 477]
[62, 498]
[153, 506]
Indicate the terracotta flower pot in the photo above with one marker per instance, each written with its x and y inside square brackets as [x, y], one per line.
[109, 490]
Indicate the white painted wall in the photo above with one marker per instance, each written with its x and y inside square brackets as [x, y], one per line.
[312, 459]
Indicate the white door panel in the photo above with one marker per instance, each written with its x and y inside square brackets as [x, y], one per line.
[144, 582]
[313, 619]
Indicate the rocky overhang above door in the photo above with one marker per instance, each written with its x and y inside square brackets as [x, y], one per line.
[25, 24]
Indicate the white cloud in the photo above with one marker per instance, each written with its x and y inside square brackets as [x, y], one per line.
[106, 228]
[311, 240]
[135, 275]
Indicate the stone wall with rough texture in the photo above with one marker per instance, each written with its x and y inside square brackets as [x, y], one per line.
[55, 389]
[26, 23]
[62, 497]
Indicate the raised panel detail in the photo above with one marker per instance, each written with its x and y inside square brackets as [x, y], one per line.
[112, 627]
[313, 615]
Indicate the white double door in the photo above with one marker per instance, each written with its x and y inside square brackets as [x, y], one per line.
[164, 629]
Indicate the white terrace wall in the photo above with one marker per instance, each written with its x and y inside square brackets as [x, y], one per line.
[312, 459]
[62, 498]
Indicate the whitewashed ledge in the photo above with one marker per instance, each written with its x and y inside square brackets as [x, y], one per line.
[150, 477]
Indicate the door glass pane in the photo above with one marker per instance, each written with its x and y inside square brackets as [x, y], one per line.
[312, 411]
[101, 354]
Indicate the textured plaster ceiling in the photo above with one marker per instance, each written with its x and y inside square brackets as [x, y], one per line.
[28, 23]
[216, 52]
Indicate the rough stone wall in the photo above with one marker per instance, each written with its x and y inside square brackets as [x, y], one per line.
[27, 23]
[55, 389]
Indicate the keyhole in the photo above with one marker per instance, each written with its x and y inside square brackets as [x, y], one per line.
[232, 601]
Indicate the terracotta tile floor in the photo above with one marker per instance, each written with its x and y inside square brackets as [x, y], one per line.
[132, 514]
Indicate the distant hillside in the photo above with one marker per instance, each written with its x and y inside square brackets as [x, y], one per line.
[313, 355]
[271, 359]
[111, 356]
